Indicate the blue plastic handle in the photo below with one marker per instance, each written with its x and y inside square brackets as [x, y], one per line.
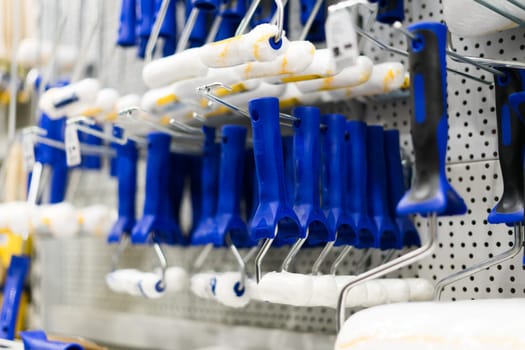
[509, 209]
[127, 25]
[145, 23]
[157, 223]
[168, 29]
[388, 235]
[316, 32]
[127, 157]
[307, 155]
[13, 289]
[194, 173]
[91, 161]
[357, 177]
[390, 11]
[396, 188]
[209, 188]
[333, 167]
[274, 207]
[200, 30]
[58, 182]
[228, 219]
[250, 191]
[37, 340]
[206, 5]
[431, 192]
[289, 167]
[227, 28]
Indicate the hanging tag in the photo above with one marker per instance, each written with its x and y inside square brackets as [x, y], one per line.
[341, 38]
[73, 156]
[28, 150]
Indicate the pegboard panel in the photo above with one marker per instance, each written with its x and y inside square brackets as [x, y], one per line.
[79, 265]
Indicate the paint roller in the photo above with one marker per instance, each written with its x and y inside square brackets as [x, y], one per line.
[322, 66]
[96, 220]
[70, 99]
[33, 53]
[57, 220]
[257, 45]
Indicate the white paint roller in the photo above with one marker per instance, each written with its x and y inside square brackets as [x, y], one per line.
[69, 99]
[322, 65]
[397, 290]
[176, 278]
[386, 77]
[470, 324]
[16, 217]
[351, 76]
[180, 66]
[124, 281]
[286, 288]
[150, 285]
[59, 220]
[297, 58]
[202, 284]
[257, 45]
[324, 291]
[32, 53]
[468, 18]
[230, 292]
[356, 297]
[104, 103]
[421, 289]
[96, 220]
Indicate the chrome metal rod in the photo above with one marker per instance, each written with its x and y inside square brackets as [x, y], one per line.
[121, 247]
[201, 258]
[500, 12]
[362, 262]
[498, 259]
[310, 20]
[247, 17]
[316, 267]
[260, 256]
[517, 4]
[340, 258]
[384, 269]
[155, 31]
[163, 263]
[186, 31]
[240, 262]
[293, 253]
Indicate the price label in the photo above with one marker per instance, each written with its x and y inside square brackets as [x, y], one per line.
[28, 151]
[73, 156]
[341, 38]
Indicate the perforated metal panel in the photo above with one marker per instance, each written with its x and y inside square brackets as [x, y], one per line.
[79, 265]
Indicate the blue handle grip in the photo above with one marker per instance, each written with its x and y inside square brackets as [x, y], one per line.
[289, 167]
[333, 155]
[127, 157]
[316, 32]
[267, 148]
[157, 223]
[396, 188]
[91, 161]
[250, 191]
[388, 235]
[307, 154]
[209, 188]
[168, 29]
[206, 5]
[227, 28]
[390, 11]
[13, 289]
[228, 219]
[194, 172]
[199, 31]
[127, 24]
[37, 340]
[357, 175]
[431, 191]
[145, 23]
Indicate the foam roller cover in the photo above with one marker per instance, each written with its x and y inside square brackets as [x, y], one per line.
[150, 286]
[177, 279]
[203, 285]
[69, 99]
[324, 291]
[257, 45]
[354, 75]
[180, 66]
[58, 220]
[286, 288]
[124, 281]
[420, 289]
[96, 220]
[230, 292]
[322, 66]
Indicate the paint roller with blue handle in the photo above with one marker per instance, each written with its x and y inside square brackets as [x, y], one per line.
[396, 188]
[13, 289]
[390, 11]
[430, 192]
[209, 188]
[127, 157]
[127, 24]
[509, 209]
[388, 235]
[274, 207]
[357, 176]
[334, 152]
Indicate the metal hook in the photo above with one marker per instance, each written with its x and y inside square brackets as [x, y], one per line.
[205, 91]
[501, 12]
[163, 264]
[262, 253]
[186, 31]
[80, 120]
[293, 253]
[316, 267]
[405, 54]
[115, 258]
[517, 4]
[388, 267]
[340, 258]
[201, 258]
[498, 259]
[278, 18]
[239, 259]
[77, 71]
[155, 30]
[454, 55]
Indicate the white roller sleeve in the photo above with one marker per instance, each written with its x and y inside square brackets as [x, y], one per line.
[292, 97]
[348, 77]
[201, 284]
[96, 220]
[322, 65]
[470, 324]
[124, 281]
[17, 217]
[69, 99]
[421, 289]
[105, 102]
[177, 279]
[468, 18]
[66, 58]
[59, 220]
[32, 53]
[357, 296]
[252, 46]
[167, 70]
[324, 291]
[397, 290]
[296, 59]
[386, 77]
[127, 101]
[229, 291]
[286, 288]
[159, 100]
[150, 285]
